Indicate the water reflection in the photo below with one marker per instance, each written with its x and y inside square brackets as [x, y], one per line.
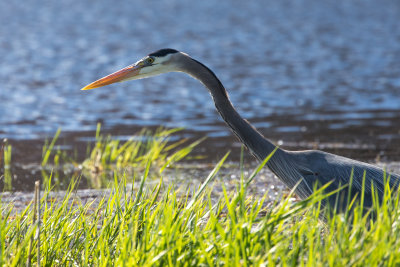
[282, 57]
[305, 70]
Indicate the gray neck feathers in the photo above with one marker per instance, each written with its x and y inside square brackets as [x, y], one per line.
[253, 140]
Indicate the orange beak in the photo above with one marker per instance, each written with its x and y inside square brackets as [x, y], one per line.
[119, 76]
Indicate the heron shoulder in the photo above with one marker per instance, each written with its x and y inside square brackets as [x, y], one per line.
[330, 167]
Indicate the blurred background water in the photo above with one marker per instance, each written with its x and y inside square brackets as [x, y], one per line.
[307, 73]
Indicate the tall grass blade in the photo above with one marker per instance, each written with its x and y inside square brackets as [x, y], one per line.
[207, 181]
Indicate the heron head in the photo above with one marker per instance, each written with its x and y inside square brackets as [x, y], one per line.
[161, 61]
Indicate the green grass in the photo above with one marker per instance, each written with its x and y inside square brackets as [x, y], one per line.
[5, 153]
[167, 225]
[164, 225]
[108, 155]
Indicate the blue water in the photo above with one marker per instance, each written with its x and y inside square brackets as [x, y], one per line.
[301, 66]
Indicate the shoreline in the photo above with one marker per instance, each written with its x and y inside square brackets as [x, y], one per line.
[229, 176]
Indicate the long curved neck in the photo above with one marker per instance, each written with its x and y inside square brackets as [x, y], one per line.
[248, 135]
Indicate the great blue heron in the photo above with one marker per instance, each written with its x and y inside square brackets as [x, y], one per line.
[299, 169]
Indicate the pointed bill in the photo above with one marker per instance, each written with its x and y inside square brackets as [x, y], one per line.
[124, 74]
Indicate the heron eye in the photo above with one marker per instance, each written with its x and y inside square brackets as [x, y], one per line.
[150, 60]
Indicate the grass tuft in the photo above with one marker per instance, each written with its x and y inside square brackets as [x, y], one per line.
[109, 153]
[5, 160]
[104, 158]
[141, 225]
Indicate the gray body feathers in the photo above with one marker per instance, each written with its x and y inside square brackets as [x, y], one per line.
[315, 167]
[302, 170]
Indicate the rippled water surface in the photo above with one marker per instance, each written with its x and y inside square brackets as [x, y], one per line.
[302, 71]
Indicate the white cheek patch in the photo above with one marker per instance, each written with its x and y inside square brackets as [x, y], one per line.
[160, 65]
[160, 60]
[153, 70]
